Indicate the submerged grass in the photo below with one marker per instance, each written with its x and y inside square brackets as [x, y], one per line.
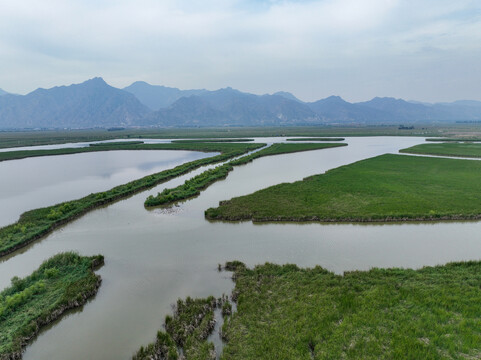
[187, 329]
[36, 223]
[193, 187]
[446, 149]
[384, 188]
[284, 312]
[63, 282]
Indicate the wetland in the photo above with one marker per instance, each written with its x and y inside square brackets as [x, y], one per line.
[154, 257]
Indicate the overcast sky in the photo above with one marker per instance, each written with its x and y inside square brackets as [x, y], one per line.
[426, 50]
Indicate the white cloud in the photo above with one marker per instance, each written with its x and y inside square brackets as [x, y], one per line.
[313, 48]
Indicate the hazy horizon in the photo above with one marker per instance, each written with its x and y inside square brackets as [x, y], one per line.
[425, 50]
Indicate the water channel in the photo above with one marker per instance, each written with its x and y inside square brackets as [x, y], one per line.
[154, 257]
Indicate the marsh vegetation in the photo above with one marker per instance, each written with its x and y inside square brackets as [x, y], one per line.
[384, 188]
[62, 282]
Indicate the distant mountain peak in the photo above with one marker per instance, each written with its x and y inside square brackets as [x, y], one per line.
[95, 81]
[286, 95]
[3, 92]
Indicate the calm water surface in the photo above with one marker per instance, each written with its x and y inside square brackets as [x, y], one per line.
[42, 181]
[154, 257]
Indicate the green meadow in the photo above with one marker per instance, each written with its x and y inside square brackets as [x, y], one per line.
[385, 188]
[456, 149]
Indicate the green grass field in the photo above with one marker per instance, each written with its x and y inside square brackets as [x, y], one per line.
[284, 312]
[384, 188]
[63, 282]
[193, 187]
[447, 149]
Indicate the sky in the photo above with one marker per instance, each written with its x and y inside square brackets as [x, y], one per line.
[425, 50]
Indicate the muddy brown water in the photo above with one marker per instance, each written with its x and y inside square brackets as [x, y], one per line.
[154, 257]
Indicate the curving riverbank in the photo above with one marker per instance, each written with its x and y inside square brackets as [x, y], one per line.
[63, 282]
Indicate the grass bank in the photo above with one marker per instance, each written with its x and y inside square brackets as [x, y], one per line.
[194, 186]
[446, 149]
[210, 140]
[384, 188]
[63, 282]
[191, 146]
[187, 331]
[315, 139]
[460, 139]
[284, 312]
[35, 224]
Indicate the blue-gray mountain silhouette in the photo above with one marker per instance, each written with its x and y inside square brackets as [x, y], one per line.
[94, 103]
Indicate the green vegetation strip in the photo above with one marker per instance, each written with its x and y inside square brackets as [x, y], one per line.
[117, 143]
[192, 187]
[35, 224]
[453, 139]
[195, 146]
[315, 139]
[210, 140]
[446, 149]
[187, 330]
[284, 312]
[63, 282]
[384, 188]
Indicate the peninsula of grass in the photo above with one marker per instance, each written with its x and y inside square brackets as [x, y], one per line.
[315, 139]
[134, 145]
[185, 333]
[285, 312]
[37, 223]
[385, 188]
[194, 186]
[472, 150]
[63, 282]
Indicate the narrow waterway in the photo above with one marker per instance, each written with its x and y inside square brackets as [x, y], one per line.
[37, 182]
[154, 257]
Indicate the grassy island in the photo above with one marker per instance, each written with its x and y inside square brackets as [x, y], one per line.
[384, 188]
[63, 282]
[284, 312]
[472, 150]
[192, 187]
[35, 224]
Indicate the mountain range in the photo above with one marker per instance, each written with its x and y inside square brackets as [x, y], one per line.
[94, 103]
